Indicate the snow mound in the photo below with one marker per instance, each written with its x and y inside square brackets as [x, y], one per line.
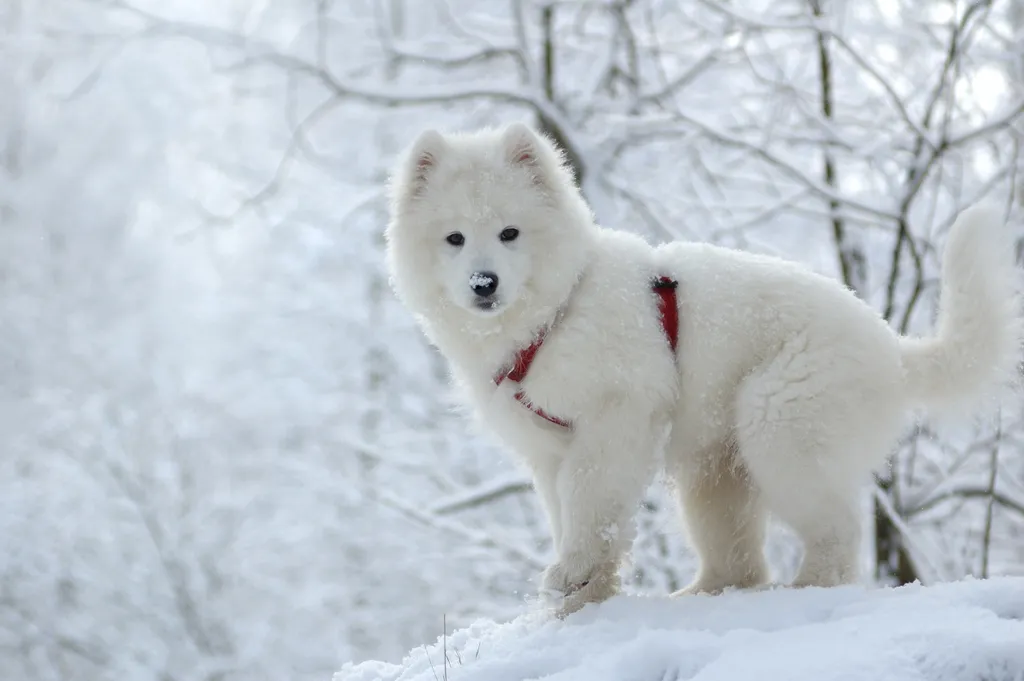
[964, 631]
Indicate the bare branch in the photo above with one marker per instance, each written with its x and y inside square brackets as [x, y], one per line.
[399, 52]
[966, 492]
[480, 538]
[672, 88]
[986, 537]
[760, 151]
[1001, 122]
[481, 495]
[851, 260]
[920, 554]
[894, 98]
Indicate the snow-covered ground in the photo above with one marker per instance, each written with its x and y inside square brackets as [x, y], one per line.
[965, 631]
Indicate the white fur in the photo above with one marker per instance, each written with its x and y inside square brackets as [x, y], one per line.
[786, 391]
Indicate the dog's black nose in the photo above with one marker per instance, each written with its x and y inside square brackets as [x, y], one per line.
[484, 283]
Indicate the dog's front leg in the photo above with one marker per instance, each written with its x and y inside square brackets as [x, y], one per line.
[544, 469]
[605, 470]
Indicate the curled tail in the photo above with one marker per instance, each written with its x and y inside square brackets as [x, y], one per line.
[976, 346]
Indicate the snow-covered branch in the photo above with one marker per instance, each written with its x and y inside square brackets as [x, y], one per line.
[482, 494]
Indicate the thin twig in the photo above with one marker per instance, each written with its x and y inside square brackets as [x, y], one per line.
[986, 537]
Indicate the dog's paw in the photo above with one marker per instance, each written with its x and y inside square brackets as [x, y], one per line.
[704, 586]
[715, 587]
[599, 588]
[568, 575]
[571, 584]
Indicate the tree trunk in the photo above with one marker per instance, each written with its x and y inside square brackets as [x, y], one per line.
[544, 123]
[893, 565]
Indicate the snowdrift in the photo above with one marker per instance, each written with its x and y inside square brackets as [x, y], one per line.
[964, 631]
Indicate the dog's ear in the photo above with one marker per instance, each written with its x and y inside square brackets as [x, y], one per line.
[422, 160]
[525, 149]
[521, 145]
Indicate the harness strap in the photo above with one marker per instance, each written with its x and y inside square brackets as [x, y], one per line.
[668, 308]
[666, 287]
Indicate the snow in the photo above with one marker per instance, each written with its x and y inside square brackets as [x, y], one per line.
[480, 279]
[228, 451]
[960, 631]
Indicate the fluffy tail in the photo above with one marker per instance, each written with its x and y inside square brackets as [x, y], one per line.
[976, 346]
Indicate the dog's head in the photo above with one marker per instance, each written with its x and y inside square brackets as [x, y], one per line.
[483, 222]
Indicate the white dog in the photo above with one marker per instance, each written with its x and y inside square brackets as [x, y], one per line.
[785, 390]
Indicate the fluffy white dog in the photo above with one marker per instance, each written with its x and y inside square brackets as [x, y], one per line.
[784, 392]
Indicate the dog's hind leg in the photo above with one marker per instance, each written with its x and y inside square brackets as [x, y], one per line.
[808, 429]
[823, 513]
[725, 519]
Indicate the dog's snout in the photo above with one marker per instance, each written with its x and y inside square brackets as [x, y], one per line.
[484, 283]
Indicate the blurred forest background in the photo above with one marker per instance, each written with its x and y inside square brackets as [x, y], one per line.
[226, 452]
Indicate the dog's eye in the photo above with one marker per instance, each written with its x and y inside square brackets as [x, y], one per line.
[455, 239]
[509, 234]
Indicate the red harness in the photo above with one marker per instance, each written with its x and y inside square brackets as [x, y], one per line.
[664, 287]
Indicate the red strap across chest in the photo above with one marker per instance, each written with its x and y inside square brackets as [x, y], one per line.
[668, 308]
[665, 287]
